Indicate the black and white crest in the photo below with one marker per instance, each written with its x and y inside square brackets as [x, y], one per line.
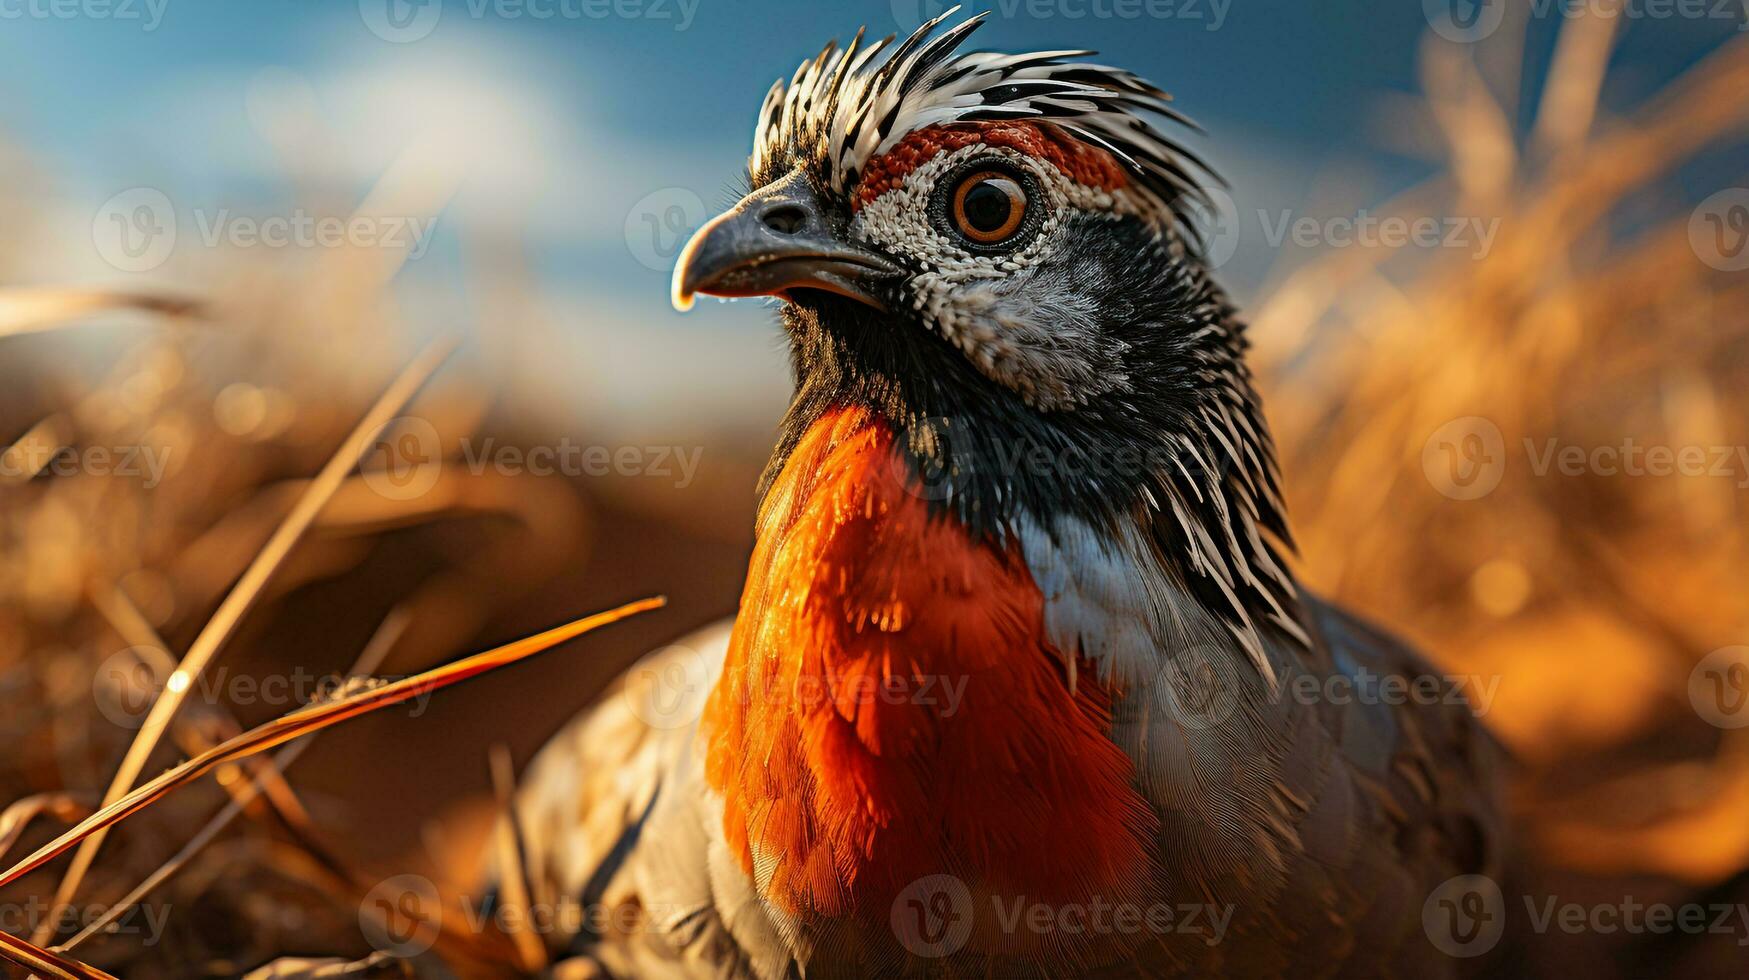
[1101, 342]
[845, 107]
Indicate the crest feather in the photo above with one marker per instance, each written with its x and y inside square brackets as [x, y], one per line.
[843, 108]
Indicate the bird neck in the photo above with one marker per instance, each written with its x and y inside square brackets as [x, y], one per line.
[1189, 463]
[891, 706]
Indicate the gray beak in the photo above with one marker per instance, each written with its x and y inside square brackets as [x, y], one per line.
[775, 240]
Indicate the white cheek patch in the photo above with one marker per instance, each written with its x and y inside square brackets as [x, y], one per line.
[1028, 319]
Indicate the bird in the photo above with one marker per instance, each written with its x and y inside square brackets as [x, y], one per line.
[1022, 682]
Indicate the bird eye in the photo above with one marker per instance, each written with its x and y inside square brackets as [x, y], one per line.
[987, 207]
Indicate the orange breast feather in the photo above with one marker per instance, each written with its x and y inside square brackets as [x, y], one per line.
[891, 708]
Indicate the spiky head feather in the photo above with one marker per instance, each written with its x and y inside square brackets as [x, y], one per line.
[846, 107]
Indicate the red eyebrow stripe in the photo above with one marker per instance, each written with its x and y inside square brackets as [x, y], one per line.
[1081, 162]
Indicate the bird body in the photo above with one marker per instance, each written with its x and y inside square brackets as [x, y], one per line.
[1020, 683]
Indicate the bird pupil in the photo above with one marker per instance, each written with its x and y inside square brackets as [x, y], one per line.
[987, 207]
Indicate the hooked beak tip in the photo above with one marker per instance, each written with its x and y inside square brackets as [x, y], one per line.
[681, 298]
[681, 292]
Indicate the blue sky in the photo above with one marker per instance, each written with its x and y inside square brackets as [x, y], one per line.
[586, 125]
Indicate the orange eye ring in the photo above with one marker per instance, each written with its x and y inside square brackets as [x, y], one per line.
[988, 207]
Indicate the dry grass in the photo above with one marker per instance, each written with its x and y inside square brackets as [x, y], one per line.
[371, 695]
[100, 565]
[1592, 597]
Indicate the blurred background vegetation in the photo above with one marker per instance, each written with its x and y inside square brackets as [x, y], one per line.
[556, 164]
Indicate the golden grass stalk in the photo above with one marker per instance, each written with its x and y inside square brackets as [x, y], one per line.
[315, 717]
[530, 952]
[273, 773]
[64, 807]
[1590, 319]
[242, 596]
[42, 962]
[131, 625]
[30, 452]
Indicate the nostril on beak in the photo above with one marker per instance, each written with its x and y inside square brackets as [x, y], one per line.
[785, 219]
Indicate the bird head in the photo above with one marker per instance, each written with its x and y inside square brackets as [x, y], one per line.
[1018, 208]
[996, 255]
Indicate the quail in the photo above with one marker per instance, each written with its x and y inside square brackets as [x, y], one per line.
[1021, 682]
